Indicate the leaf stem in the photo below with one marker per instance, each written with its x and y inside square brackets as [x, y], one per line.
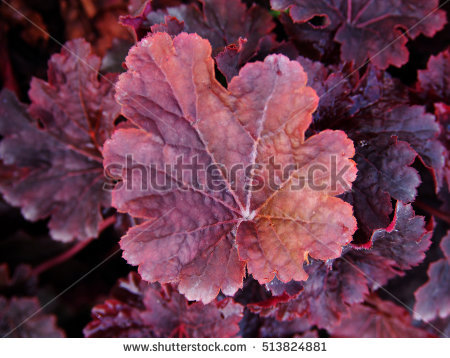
[72, 251]
[61, 258]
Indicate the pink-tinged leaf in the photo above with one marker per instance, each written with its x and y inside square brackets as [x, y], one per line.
[433, 298]
[19, 319]
[74, 105]
[222, 22]
[114, 319]
[322, 223]
[120, 316]
[369, 29]
[139, 309]
[332, 289]
[57, 170]
[376, 318]
[434, 82]
[202, 237]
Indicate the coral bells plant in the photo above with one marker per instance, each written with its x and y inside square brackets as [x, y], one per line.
[223, 168]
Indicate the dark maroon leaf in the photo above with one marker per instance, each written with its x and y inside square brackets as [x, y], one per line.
[222, 22]
[334, 90]
[278, 288]
[385, 174]
[311, 41]
[393, 250]
[433, 298]
[376, 318]
[388, 133]
[152, 310]
[57, 170]
[410, 124]
[382, 114]
[228, 60]
[120, 316]
[75, 105]
[369, 29]
[171, 315]
[434, 82]
[21, 318]
[332, 289]
[326, 295]
[405, 241]
[118, 320]
[171, 25]
[442, 112]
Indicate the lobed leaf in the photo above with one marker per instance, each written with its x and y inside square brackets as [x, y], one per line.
[333, 289]
[369, 30]
[376, 318]
[433, 298]
[21, 318]
[152, 310]
[434, 81]
[388, 133]
[222, 22]
[200, 237]
[52, 164]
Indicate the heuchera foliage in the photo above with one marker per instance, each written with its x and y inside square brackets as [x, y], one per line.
[242, 90]
[51, 152]
[332, 289]
[15, 319]
[267, 108]
[369, 29]
[433, 298]
[139, 309]
[378, 318]
[388, 133]
[221, 22]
